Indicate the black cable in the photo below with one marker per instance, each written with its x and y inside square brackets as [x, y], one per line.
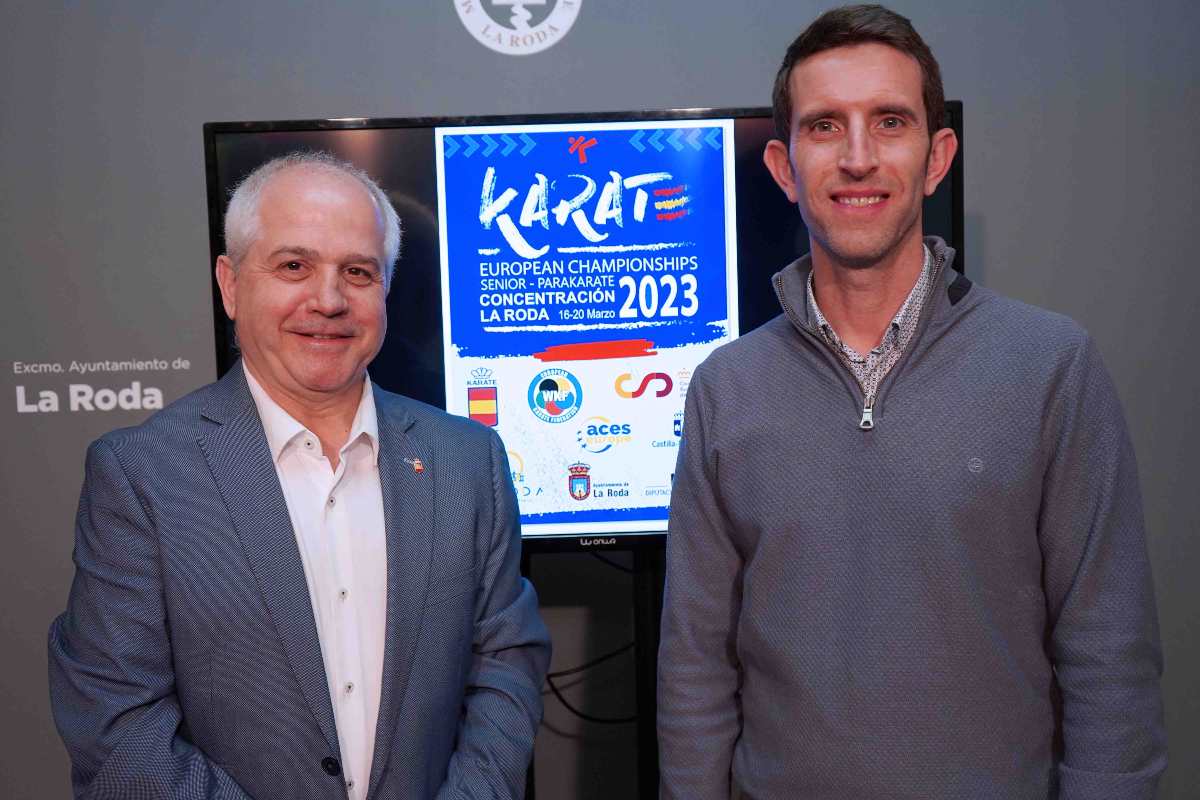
[588, 717]
[612, 563]
[582, 667]
[562, 673]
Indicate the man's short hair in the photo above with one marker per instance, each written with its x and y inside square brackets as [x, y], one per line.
[242, 218]
[862, 24]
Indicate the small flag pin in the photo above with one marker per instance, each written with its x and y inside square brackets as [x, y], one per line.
[416, 464]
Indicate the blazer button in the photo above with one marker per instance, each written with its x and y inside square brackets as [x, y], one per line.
[331, 766]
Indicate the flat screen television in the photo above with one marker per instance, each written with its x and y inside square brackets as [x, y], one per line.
[560, 276]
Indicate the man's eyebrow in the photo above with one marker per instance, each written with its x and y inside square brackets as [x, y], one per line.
[292, 249]
[899, 111]
[808, 119]
[309, 253]
[360, 258]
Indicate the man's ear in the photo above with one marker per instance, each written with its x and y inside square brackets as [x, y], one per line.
[941, 155]
[779, 164]
[227, 280]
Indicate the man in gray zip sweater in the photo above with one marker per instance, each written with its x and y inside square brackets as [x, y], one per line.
[915, 567]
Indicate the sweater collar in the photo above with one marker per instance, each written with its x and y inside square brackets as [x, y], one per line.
[791, 282]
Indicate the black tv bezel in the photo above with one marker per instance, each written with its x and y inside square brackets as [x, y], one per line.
[224, 345]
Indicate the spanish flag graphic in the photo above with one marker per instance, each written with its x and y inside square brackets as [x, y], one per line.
[481, 405]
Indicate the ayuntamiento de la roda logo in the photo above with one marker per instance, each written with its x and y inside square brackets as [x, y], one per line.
[518, 27]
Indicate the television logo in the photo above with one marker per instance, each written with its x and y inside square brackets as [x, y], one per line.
[579, 483]
[555, 395]
[665, 384]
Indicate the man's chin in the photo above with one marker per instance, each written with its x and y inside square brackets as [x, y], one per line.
[319, 385]
[332, 384]
[860, 252]
[859, 256]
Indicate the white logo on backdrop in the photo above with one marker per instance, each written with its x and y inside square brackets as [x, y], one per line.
[518, 27]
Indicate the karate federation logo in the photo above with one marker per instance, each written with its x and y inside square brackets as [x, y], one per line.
[518, 27]
[579, 483]
[483, 397]
[555, 395]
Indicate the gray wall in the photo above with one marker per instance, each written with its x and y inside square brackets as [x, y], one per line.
[1081, 187]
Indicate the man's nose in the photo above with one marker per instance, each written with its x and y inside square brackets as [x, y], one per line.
[859, 156]
[329, 293]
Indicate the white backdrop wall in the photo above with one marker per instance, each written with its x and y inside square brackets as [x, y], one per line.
[1081, 178]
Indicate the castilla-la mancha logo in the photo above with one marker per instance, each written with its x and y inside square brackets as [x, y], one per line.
[518, 27]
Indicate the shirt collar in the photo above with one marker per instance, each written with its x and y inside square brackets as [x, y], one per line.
[281, 428]
[918, 291]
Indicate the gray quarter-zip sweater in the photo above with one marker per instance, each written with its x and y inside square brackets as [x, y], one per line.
[954, 604]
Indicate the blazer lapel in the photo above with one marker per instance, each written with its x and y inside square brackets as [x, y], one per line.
[240, 462]
[406, 470]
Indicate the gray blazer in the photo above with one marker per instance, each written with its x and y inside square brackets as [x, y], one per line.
[187, 663]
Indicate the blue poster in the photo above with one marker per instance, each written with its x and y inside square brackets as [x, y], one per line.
[586, 270]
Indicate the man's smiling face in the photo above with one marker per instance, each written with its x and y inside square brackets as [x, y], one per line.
[860, 161]
[308, 299]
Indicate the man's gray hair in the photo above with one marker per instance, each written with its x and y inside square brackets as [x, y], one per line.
[242, 218]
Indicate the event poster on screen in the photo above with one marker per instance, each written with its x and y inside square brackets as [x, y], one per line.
[587, 269]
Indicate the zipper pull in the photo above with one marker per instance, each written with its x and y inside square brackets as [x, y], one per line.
[867, 422]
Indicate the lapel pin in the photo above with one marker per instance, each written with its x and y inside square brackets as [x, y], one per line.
[416, 464]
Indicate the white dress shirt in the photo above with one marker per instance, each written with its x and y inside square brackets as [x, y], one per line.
[337, 516]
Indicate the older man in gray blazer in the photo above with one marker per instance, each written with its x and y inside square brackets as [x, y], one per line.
[290, 583]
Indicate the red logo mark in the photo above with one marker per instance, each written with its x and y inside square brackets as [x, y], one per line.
[578, 145]
[623, 379]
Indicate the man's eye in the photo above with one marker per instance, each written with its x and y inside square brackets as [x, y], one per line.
[292, 269]
[823, 126]
[359, 276]
[892, 122]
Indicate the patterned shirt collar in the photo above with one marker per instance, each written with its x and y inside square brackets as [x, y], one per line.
[903, 323]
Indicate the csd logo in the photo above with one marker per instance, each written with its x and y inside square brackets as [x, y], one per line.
[662, 378]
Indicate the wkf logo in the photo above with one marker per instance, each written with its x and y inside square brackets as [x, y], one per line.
[579, 483]
[662, 379]
[555, 395]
